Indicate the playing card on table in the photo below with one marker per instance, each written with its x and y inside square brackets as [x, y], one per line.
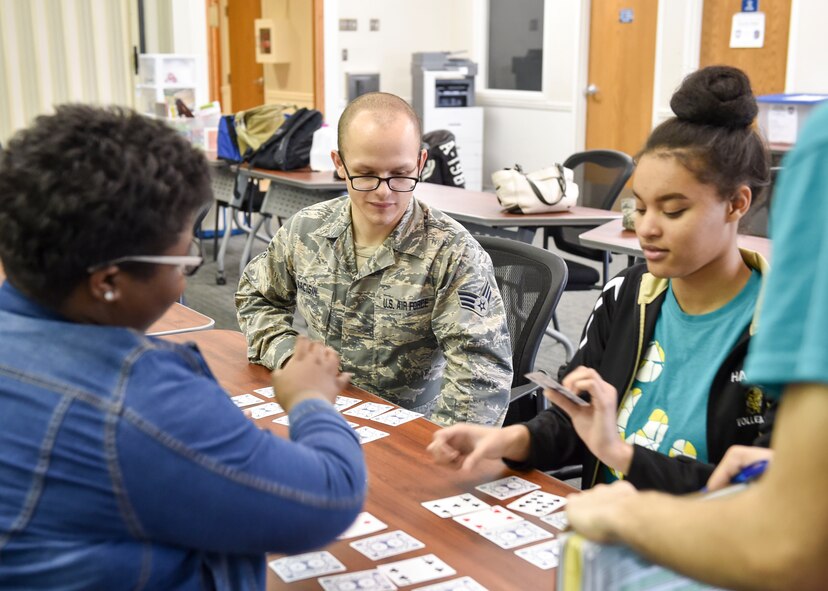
[364, 524]
[517, 534]
[305, 566]
[369, 434]
[557, 520]
[397, 417]
[543, 556]
[505, 488]
[265, 410]
[368, 410]
[388, 544]
[416, 570]
[285, 420]
[266, 392]
[461, 584]
[352, 424]
[245, 400]
[456, 505]
[538, 503]
[487, 519]
[364, 579]
[343, 402]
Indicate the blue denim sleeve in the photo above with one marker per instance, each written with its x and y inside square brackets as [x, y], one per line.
[189, 469]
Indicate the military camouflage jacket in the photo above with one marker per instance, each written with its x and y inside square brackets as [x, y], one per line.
[422, 323]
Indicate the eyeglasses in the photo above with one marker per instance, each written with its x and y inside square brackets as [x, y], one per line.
[187, 264]
[398, 184]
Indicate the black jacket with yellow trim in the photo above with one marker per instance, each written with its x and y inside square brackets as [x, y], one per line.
[614, 340]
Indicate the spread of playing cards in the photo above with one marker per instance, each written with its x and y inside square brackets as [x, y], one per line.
[511, 513]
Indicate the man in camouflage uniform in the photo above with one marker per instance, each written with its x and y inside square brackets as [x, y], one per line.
[403, 292]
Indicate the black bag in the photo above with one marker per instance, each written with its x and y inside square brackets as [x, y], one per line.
[289, 148]
[443, 167]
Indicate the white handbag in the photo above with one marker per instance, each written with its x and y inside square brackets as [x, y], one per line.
[546, 190]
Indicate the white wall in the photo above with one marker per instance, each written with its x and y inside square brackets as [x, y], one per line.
[405, 27]
[545, 127]
[678, 46]
[189, 36]
[807, 47]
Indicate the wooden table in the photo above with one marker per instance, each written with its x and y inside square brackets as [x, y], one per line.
[400, 476]
[614, 238]
[179, 318]
[475, 208]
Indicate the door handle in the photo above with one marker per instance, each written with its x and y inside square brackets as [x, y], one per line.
[591, 90]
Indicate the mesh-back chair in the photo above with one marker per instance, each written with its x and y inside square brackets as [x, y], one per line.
[601, 175]
[531, 281]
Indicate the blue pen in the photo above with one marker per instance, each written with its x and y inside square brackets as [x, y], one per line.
[750, 472]
[747, 474]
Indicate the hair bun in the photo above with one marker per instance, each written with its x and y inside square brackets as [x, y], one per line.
[716, 95]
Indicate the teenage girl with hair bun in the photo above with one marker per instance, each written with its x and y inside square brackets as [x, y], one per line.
[661, 355]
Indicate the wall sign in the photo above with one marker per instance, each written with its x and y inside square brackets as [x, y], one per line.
[748, 30]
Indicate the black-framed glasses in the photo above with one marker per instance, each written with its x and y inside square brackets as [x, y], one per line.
[187, 264]
[398, 184]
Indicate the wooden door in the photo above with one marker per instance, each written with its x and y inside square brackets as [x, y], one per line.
[765, 66]
[246, 76]
[621, 69]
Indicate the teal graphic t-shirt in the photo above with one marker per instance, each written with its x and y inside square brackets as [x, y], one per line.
[665, 410]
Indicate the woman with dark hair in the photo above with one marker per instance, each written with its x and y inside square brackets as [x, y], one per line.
[123, 463]
[661, 355]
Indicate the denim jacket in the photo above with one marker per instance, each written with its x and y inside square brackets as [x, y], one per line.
[124, 465]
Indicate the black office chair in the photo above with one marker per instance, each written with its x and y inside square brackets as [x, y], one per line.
[600, 175]
[531, 281]
[755, 221]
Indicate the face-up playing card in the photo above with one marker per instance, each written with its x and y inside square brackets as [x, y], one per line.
[245, 400]
[364, 579]
[388, 544]
[285, 420]
[456, 505]
[557, 520]
[461, 584]
[305, 566]
[397, 417]
[364, 524]
[505, 488]
[369, 434]
[487, 519]
[266, 392]
[343, 402]
[543, 555]
[416, 570]
[368, 410]
[265, 410]
[538, 503]
[515, 534]
[352, 424]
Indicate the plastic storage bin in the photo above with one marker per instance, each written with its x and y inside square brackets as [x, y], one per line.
[781, 116]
